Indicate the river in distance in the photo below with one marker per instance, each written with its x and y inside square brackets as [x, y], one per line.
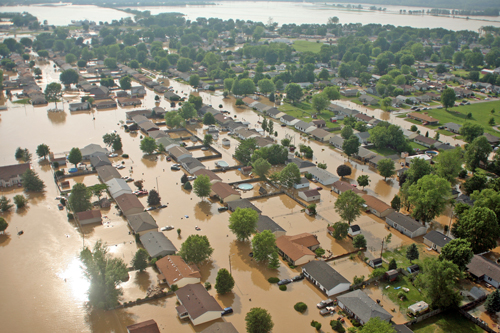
[280, 12]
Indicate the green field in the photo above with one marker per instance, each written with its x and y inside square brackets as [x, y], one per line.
[384, 151]
[415, 145]
[446, 322]
[304, 46]
[400, 256]
[304, 111]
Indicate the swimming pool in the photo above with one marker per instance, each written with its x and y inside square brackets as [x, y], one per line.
[432, 152]
[245, 187]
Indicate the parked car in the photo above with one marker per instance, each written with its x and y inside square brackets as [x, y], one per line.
[204, 148]
[326, 311]
[298, 278]
[113, 155]
[227, 311]
[119, 167]
[222, 209]
[168, 158]
[167, 228]
[173, 167]
[250, 254]
[150, 209]
[284, 281]
[441, 127]
[162, 206]
[319, 188]
[191, 178]
[324, 303]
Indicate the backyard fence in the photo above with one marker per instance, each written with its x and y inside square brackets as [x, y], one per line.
[423, 317]
[476, 321]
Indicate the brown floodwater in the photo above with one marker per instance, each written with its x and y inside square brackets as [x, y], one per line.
[43, 287]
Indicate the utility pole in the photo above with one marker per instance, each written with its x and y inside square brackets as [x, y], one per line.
[230, 271]
[157, 187]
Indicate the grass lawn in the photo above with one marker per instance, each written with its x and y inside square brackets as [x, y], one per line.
[446, 322]
[384, 151]
[22, 101]
[304, 46]
[481, 114]
[412, 297]
[415, 145]
[304, 111]
[400, 256]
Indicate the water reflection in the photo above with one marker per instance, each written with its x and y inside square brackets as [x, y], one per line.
[57, 118]
[75, 278]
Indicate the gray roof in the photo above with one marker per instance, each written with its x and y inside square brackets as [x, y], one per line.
[337, 139]
[363, 135]
[302, 124]
[242, 203]
[273, 112]
[157, 244]
[92, 149]
[100, 160]
[288, 118]
[480, 266]
[266, 223]
[191, 163]
[405, 221]
[301, 163]
[363, 306]
[328, 277]
[107, 172]
[304, 180]
[437, 238]
[477, 292]
[462, 198]
[323, 175]
[142, 222]
[453, 126]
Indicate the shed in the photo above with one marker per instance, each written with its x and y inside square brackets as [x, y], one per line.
[354, 230]
[391, 275]
[375, 262]
[413, 269]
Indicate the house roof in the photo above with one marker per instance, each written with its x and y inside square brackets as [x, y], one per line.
[224, 190]
[405, 221]
[128, 201]
[156, 242]
[322, 174]
[166, 141]
[107, 172]
[344, 186]
[142, 222]
[242, 203]
[99, 160]
[320, 133]
[287, 118]
[422, 117]
[225, 327]
[178, 151]
[453, 126]
[491, 138]
[262, 142]
[437, 238]
[365, 153]
[302, 124]
[158, 135]
[191, 163]
[337, 139]
[363, 306]
[463, 198]
[362, 116]
[196, 300]
[212, 175]
[266, 223]
[174, 268]
[301, 163]
[117, 185]
[375, 203]
[10, 171]
[363, 135]
[148, 326]
[311, 193]
[355, 228]
[402, 329]
[293, 247]
[421, 138]
[148, 126]
[480, 266]
[328, 277]
[88, 215]
[92, 149]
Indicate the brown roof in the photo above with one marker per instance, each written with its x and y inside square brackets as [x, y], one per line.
[225, 327]
[10, 171]
[480, 266]
[208, 173]
[311, 193]
[223, 190]
[177, 151]
[248, 100]
[424, 139]
[344, 186]
[128, 201]
[422, 117]
[148, 326]
[375, 203]
[196, 300]
[292, 245]
[88, 214]
[306, 239]
[221, 118]
[173, 269]
[320, 133]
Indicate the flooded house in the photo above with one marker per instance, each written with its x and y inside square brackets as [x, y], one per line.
[191, 164]
[197, 305]
[340, 187]
[174, 270]
[267, 223]
[325, 277]
[211, 175]
[10, 175]
[157, 244]
[303, 183]
[92, 150]
[225, 192]
[89, 217]
[322, 176]
[405, 224]
[225, 327]
[117, 187]
[242, 203]
[129, 204]
[298, 249]
[148, 326]
[303, 165]
[142, 223]
[376, 206]
[107, 172]
[310, 195]
[83, 106]
[99, 161]
[178, 153]
[361, 307]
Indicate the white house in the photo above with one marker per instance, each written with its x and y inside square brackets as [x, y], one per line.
[303, 165]
[191, 164]
[197, 304]
[11, 174]
[289, 120]
[436, 240]
[117, 187]
[303, 183]
[405, 224]
[354, 230]
[310, 195]
[327, 279]
[323, 177]
[304, 127]
[485, 270]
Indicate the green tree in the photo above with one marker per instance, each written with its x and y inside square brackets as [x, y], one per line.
[208, 119]
[69, 76]
[458, 251]
[449, 164]
[377, 325]
[243, 223]
[386, 102]
[125, 82]
[208, 139]
[31, 181]
[320, 102]
[340, 230]
[396, 203]
[53, 92]
[363, 180]
[343, 170]
[196, 249]
[448, 98]
[140, 260]
[492, 303]
[393, 264]
[346, 132]
[79, 199]
[266, 86]
[265, 250]
[154, 198]
[428, 197]
[351, 145]
[75, 156]
[174, 119]
[104, 273]
[332, 92]
[20, 201]
[194, 80]
[202, 186]
[244, 151]
[470, 131]
[258, 320]
[386, 168]
[294, 92]
[440, 279]
[412, 252]
[42, 150]
[479, 227]
[224, 282]
[477, 152]
[261, 167]
[264, 124]
[348, 206]
[197, 101]
[359, 241]
[5, 204]
[290, 175]
[247, 86]
[148, 145]
[187, 111]
[3, 225]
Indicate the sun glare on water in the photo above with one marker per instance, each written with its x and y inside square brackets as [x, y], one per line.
[75, 278]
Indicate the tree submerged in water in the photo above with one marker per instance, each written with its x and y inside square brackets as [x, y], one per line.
[104, 273]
